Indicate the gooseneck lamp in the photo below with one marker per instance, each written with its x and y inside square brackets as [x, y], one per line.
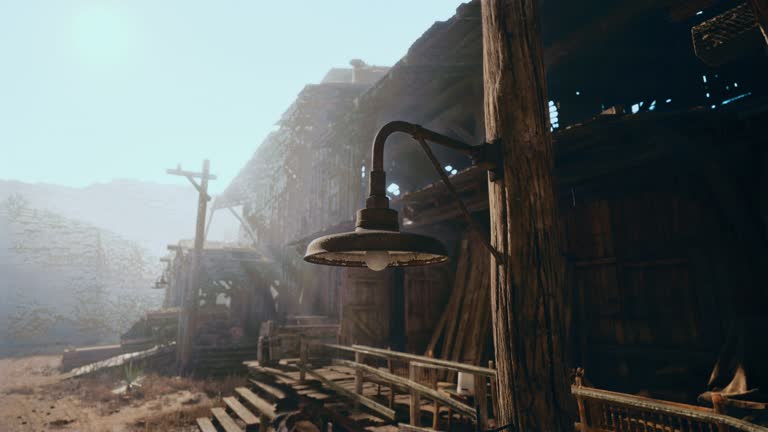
[377, 242]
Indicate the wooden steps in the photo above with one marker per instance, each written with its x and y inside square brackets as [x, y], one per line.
[264, 408]
[273, 393]
[247, 417]
[277, 390]
[205, 425]
[224, 420]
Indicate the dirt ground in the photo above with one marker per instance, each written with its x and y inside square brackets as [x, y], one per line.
[35, 396]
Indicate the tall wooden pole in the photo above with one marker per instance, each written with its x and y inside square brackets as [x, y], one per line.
[528, 299]
[191, 294]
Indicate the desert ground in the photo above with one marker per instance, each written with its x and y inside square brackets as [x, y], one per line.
[36, 396]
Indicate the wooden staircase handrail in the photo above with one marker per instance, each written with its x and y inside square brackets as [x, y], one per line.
[397, 355]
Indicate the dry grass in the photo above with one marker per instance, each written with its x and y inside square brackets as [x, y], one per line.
[153, 390]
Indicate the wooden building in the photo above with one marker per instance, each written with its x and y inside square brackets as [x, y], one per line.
[300, 180]
[661, 170]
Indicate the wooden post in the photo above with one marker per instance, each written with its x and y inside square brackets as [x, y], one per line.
[415, 412]
[494, 400]
[583, 426]
[359, 374]
[436, 417]
[358, 377]
[391, 370]
[527, 291]
[302, 358]
[480, 389]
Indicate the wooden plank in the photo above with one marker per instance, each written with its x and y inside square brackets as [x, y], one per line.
[205, 424]
[242, 412]
[465, 318]
[482, 313]
[375, 406]
[263, 407]
[424, 390]
[274, 372]
[225, 421]
[457, 296]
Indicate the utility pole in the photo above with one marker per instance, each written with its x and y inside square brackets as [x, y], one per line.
[527, 287]
[190, 297]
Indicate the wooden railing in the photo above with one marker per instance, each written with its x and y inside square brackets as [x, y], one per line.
[415, 365]
[607, 411]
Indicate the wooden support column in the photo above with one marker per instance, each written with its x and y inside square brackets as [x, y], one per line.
[527, 294]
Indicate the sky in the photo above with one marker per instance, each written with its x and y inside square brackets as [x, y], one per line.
[96, 90]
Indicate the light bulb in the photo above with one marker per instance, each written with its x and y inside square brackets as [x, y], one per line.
[377, 260]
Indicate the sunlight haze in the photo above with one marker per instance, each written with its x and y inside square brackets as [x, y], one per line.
[100, 90]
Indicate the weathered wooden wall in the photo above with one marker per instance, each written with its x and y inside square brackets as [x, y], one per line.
[646, 312]
[426, 291]
[365, 307]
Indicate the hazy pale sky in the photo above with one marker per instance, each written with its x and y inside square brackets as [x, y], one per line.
[92, 90]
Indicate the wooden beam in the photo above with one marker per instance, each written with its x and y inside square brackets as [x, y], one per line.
[405, 382]
[193, 174]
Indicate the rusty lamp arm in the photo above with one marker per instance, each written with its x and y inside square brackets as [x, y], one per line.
[482, 155]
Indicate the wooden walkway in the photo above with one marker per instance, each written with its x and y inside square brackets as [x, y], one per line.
[378, 390]
[277, 390]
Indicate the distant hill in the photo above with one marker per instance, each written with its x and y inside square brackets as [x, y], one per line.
[77, 264]
[150, 214]
[67, 282]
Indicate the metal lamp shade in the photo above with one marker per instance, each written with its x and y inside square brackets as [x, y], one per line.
[348, 249]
